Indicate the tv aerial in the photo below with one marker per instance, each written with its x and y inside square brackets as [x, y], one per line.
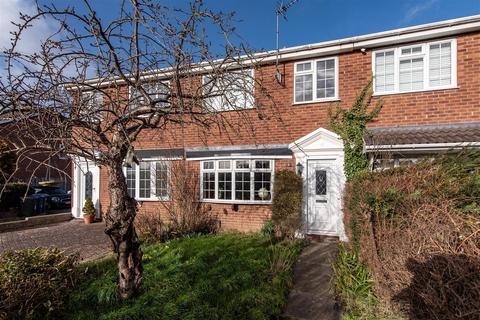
[281, 10]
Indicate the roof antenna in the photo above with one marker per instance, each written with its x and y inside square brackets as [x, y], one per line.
[281, 11]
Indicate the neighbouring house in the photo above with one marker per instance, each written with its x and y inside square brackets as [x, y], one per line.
[33, 165]
[428, 77]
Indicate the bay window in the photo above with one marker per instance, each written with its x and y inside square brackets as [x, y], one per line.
[426, 66]
[237, 180]
[316, 80]
[149, 180]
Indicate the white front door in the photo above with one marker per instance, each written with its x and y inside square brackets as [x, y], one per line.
[86, 185]
[322, 197]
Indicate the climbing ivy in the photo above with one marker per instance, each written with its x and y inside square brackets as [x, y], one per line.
[350, 125]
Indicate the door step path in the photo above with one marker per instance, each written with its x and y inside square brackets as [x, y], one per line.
[312, 297]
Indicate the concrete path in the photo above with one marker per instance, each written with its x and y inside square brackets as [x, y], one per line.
[72, 236]
[312, 296]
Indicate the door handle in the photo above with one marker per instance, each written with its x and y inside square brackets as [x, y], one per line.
[321, 201]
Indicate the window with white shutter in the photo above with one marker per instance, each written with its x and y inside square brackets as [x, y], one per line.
[440, 59]
[230, 91]
[420, 67]
[385, 71]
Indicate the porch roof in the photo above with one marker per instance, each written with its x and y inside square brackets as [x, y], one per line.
[159, 153]
[232, 151]
[441, 136]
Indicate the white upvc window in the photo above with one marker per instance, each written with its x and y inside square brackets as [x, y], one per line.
[419, 67]
[316, 80]
[91, 104]
[149, 181]
[233, 90]
[237, 181]
[157, 90]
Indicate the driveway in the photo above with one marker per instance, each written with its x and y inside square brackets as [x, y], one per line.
[73, 236]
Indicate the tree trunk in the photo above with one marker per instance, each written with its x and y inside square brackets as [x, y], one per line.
[121, 230]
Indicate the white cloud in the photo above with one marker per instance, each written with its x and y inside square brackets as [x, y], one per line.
[31, 38]
[416, 9]
[9, 11]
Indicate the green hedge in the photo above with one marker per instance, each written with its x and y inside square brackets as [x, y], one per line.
[34, 283]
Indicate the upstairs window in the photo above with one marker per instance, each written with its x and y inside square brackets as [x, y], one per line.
[91, 103]
[411, 69]
[440, 64]
[316, 80]
[156, 90]
[230, 91]
[426, 66]
[149, 180]
[385, 71]
[237, 180]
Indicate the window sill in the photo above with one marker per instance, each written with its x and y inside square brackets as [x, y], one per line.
[316, 101]
[414, 91]
[228, 110]
[236, 202]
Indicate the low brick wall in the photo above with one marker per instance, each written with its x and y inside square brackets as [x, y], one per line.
[35, 221]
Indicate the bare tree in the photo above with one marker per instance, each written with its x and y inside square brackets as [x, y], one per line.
[94, 86]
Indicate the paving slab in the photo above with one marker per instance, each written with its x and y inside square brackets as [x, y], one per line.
[73, 236]
[312, 296]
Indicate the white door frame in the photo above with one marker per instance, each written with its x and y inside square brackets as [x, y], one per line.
[80, 169]
[323, 145]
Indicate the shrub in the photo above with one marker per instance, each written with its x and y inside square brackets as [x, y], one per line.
[151, 228]
[268, 228]
[34, 282]
[353, 282]
[89, 207]
[287, 203]
[417, 228]
[187, 215]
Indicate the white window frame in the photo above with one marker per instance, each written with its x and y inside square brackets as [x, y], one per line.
[426, 66]
[233, 170]
[251, 71]
[91, 107]
[131, 105]
[313, 72]
[153, 181]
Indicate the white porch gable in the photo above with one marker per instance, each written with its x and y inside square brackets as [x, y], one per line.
[320, 154]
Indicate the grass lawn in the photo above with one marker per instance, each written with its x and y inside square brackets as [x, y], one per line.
[228, 276]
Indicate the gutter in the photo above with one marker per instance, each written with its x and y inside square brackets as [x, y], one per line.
[421, 147]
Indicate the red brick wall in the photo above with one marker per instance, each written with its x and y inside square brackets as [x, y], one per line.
[278, 121]
[283, 122]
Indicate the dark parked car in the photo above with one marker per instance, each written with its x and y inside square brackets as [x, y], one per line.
[58, 198]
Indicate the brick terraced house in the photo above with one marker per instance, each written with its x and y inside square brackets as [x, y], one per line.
[428, 77]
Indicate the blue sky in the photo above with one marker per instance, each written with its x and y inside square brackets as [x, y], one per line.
[309, 21]
[312, 21]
